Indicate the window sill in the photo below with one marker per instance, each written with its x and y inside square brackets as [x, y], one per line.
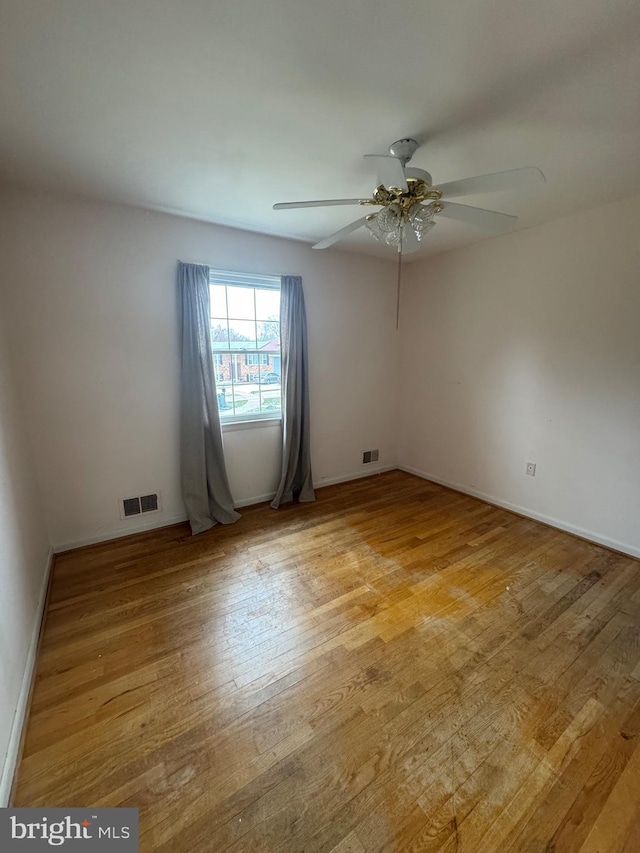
[257, 424]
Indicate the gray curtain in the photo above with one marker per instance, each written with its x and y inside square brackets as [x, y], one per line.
[295, 481]
[205, 487]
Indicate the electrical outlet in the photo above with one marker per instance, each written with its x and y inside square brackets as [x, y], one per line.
[531, 469]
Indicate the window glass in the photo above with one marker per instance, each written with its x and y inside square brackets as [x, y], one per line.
[245, 339]
[218, 297]
[268, 332]
[267, 304]
[219, 333]
[242, 334]
[241, 303]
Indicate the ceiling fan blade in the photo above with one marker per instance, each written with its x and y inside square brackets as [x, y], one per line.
[513, 179]
[338, 235]
[390, 171]
[328, 202]
[410, 243]
[490, 220]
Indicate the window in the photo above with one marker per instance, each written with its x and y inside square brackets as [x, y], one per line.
[217, 366]
[245, 339]
[257, 358]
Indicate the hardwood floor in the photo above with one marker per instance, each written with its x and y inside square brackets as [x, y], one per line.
[395, 667]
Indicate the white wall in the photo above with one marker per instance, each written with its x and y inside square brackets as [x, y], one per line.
[520, 348]
[24, 559]
[527, 348]
[94, 336]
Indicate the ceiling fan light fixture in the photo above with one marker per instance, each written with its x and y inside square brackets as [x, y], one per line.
[423, 230]
[373, 226]
[389, 218]
[388, 234]
[421, 219]
[385, 225]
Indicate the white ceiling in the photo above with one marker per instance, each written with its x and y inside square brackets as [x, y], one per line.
[217, 110]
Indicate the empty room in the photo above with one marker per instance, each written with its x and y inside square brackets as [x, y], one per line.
[320, 426]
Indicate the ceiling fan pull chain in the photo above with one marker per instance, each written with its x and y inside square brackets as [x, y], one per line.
[399, 278]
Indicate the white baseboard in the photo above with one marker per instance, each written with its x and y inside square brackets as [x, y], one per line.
[371, 471]
[8, 769]
[156, 523]
[355, 475]
[259, 499]
[119, 532]
[597, 538]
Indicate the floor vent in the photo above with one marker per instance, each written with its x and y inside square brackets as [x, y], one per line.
[138, 506]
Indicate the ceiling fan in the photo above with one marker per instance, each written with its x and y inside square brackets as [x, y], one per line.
[410, 203]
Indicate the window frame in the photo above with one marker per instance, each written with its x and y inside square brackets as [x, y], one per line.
[262, 358]
[229, 278]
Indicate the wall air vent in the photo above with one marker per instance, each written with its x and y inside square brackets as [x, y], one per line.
[140, 505]
[370, 456]
[149, 503]
[131, 506]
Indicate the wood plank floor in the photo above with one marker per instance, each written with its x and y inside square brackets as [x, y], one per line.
[395, 667]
